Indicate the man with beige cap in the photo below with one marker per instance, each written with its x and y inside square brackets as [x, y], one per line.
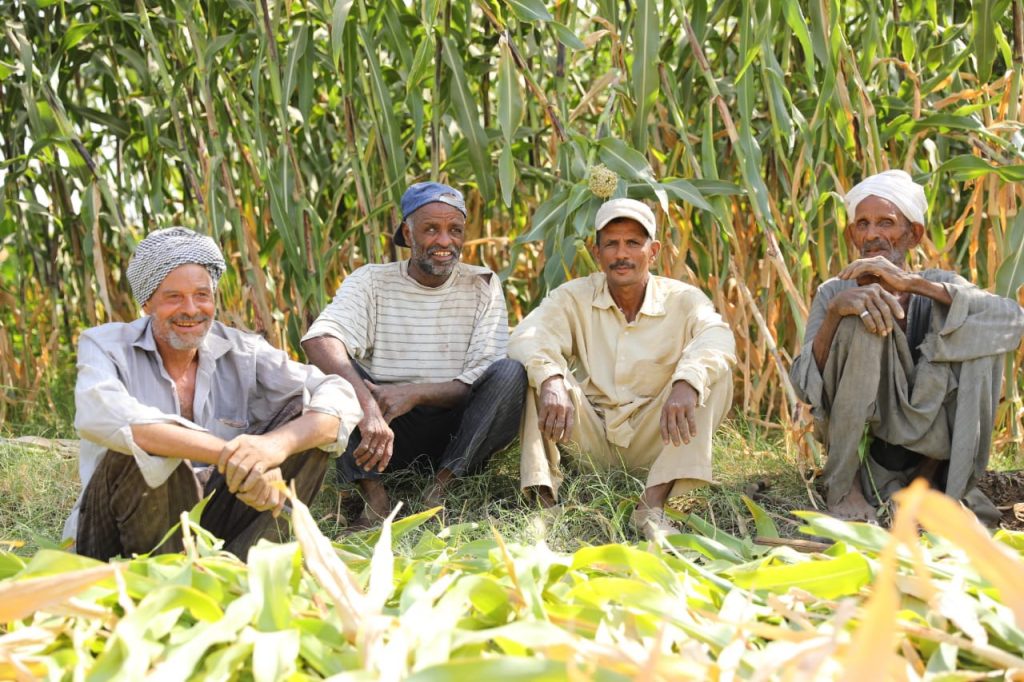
[902, 369]
[633, 369]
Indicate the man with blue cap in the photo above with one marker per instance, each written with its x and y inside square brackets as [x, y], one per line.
[423, 341]
[912, 358]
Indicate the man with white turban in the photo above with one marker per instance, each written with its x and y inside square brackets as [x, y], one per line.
[912, 359]
[175, 406]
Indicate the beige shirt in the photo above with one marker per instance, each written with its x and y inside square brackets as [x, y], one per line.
[622, 366]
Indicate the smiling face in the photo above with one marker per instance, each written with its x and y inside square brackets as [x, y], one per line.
[625, 253]
[435, 233]
[182, 308]
[880, 229]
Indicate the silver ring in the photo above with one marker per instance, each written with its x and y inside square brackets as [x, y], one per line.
[865, 313]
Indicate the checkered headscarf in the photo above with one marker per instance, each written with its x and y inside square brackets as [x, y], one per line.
[163, 250]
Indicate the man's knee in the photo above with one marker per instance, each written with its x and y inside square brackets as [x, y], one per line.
[508, 372]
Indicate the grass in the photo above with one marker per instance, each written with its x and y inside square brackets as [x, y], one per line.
[38, 486]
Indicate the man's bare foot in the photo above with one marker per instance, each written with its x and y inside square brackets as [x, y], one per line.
[854, 506]
[543, 494]
[434, 497]
[376, 505]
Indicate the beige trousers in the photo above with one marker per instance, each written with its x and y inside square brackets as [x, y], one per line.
[687, 465]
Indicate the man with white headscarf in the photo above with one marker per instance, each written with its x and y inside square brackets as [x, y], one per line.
[911, 359]
[176, 406]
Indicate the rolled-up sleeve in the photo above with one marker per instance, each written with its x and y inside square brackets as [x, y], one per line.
[489, 341]
[279, 379]
[542, 342]
[105, 412]
[711, 352]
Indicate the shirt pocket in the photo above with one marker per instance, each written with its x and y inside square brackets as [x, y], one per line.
[650, 378]
[229, 427]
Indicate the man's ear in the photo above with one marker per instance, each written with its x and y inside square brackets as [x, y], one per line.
[916, 234]
[594, 248]
[407, 233]
[655, 248]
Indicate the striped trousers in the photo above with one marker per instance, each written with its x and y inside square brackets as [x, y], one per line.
[460, 439]
[121, 515]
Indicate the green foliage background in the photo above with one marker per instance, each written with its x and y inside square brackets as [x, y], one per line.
[288, 130]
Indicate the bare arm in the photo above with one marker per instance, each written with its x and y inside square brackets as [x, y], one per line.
[330, 355]
[397, 399]
[377, 440]
[173, 440]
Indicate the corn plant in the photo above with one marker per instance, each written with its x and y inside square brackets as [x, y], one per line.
[288, 130]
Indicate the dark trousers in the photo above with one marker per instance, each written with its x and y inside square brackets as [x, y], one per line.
[460, 439]
[121, 515]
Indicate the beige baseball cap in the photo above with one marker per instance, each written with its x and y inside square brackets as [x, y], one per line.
[626, 208]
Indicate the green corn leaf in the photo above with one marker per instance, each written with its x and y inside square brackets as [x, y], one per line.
[76, 33]
[828, 578]
[970, 167]
[549, 216]
[529, 10]
[686, 191]
[271, 569]
[339, 15]
[507, 175]
[861, 535]
[1010, 275]
[764, 524]
[710, 548]
[510, 94]
[465, 111]
[513, 669]
[984, 17]
[624, 160]
[566, 36]
[646, 40]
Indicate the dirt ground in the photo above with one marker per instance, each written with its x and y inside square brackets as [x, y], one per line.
[1006, 489]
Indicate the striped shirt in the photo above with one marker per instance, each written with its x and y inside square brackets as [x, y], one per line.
[400, 331]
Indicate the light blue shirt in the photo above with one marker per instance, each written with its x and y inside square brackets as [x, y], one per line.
[242, 381]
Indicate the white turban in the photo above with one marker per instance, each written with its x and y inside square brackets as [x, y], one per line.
[164, 250]
[895, 186]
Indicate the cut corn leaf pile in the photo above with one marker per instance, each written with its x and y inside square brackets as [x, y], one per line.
[946, 604]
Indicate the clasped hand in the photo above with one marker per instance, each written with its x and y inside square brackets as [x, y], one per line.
[250, 465]
[878, 270]
[874, 301]
[377, 440]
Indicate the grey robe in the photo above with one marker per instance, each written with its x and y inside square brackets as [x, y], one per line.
[932, 390]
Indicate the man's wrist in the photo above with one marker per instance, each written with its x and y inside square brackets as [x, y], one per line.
[675, 385]
[548, 383]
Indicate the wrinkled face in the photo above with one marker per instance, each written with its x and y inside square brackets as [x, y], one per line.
[625, 252]
[435, 233]
[182, 307]
[881, 229]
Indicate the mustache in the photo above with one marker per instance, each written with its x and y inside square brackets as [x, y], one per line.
[196, 319]
[876, 244]
[623, 264]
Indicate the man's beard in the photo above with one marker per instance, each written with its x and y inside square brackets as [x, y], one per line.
[422, 260]
[191, 342]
